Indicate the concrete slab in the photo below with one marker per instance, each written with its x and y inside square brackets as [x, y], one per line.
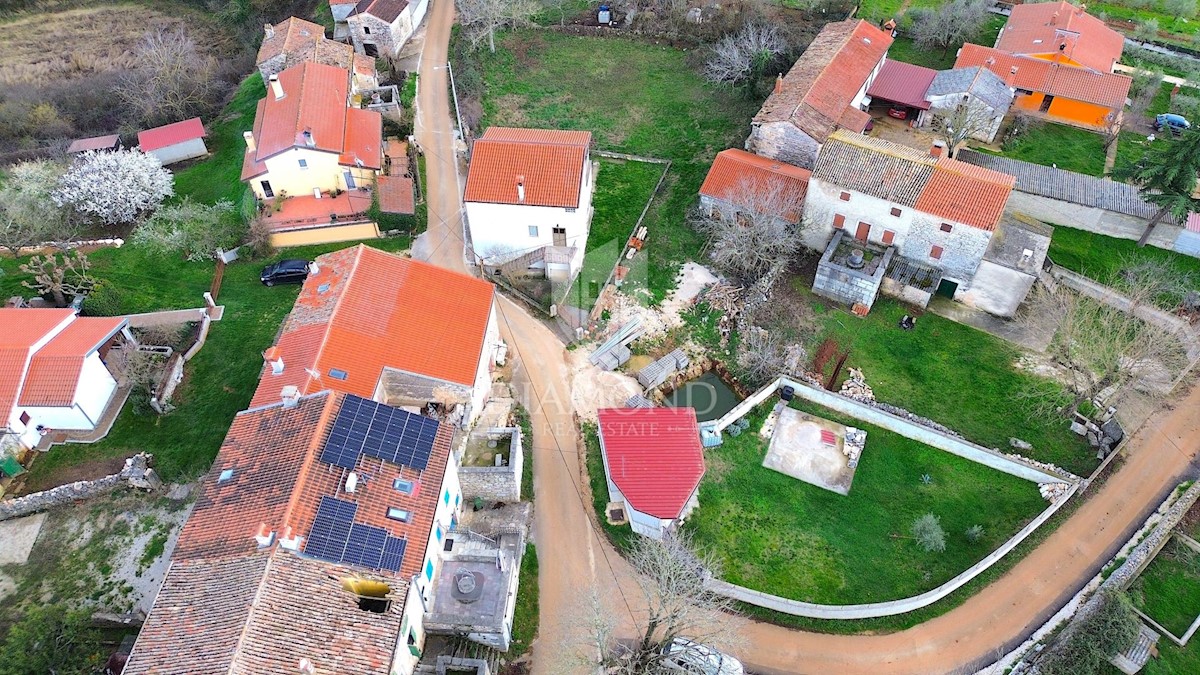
[1033, 333]
[17, 537]
[798, 450]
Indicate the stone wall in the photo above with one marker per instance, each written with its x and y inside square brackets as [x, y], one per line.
[137, 474]
[1100, 221]
[497, 483]
[785, 142]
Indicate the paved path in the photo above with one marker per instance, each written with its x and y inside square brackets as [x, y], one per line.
[572, 556]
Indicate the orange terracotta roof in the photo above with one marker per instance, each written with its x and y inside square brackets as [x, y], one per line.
[304, 212]
[395, 194]
[49, 374]
[314, 101]
[363, 145]
[289, 35]
[966, 193]
[366, 310]
[821, 86]
[1061, 28]
[734, 168]
[1032, 74]
[549, 163]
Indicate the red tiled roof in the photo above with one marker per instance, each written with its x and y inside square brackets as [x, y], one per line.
[314, 101]
[550, 163]
[395, 194]
[734, 168]
[94, 143]
[1042, 28]
[902, 83]
[654, 456]
[966, 193]
[304, 212]
[289, 35]
[176, 132]
[1032, 74]
[387, 10]
[375, 310]
[825, 79]
[53, 369]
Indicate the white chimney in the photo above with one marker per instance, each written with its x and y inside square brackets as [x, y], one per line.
[249, 136]
[289, 540]
[351, 482]
[290, 396]
[265, 536]
[276, 87]
[269, 30]
[274, 356]
[521, 189]
[306, 667]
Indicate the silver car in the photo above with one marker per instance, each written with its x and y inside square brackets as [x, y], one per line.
[687, 656]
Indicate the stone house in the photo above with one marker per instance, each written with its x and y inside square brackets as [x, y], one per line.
[985, 96]
[653, 463]
[529, 191]
[296, 41]
[390, 329]
[382, 27]
[825, 90]
[935, 211]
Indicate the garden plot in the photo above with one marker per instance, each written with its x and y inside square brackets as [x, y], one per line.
[1168, 591]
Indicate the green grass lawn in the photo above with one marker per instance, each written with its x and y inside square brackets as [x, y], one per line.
[622, 190]
[219, 176]
[1059, 145]
[954, 374]
[1102, 258]
[634, 97]
[1168, 591]
[782, 536]
[905, 49]
[1131, 146]
[525, 617]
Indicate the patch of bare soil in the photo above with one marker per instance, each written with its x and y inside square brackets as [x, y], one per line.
[89, 470]
[593, 388]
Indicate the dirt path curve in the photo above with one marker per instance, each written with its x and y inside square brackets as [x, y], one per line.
[571, 556]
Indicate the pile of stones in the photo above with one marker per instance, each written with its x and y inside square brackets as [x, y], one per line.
[856, 388]
[852, 445]
[1052, 492]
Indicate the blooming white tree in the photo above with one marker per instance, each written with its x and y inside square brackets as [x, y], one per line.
[27, 215]
[191, 229]
[114, 187]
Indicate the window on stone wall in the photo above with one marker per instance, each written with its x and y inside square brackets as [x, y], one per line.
[845, 196]
[367, 30]
[946, 227]
[895, 211]
[839, 221]
[888, 236]
[936, 253]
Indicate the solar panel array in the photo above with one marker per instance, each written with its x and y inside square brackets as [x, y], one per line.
[365, 427]
[337, 538]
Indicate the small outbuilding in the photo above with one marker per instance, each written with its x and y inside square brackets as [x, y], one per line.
[105, 143]
[653, 462]
[901, 87]
[174, 142]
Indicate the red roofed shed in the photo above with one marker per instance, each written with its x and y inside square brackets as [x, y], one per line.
[174, 142]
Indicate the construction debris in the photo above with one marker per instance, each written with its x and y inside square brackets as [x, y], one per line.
[656, 373]
[852, 445]
[856, 388]
[1053, 492]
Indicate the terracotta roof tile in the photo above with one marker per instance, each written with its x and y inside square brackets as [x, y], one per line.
[1032, 74]
[20, 331]
[290, 35]
[654, 456]
[53, 375]
[377, 310]
[94, 143]
[314, 100]
[363, 144]
[904, 83]
[176, 132]
[734, 168]
[1042, 28]
[387, 10]
[825, 79]
[395, 194]
[966, 194]
[551, 164]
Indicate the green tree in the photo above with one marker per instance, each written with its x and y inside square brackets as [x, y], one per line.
[52, 639]
[1166, 176]
[1103, 628]
[928, 532]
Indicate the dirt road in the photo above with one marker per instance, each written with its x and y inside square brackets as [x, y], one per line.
[571, 556]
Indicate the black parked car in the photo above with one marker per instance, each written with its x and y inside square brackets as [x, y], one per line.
[285, 272]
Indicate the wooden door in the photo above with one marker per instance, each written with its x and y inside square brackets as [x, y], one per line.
[864, 231]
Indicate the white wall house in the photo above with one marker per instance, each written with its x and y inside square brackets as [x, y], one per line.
[54, 376]
[529, 193]
[653, 463]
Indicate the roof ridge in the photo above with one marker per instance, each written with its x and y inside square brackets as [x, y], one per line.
[337, 305]
[309, 455]
[258, 591]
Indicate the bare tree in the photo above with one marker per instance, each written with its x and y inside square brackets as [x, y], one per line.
[754, 228]
[952, 24]
[762, 355]
[173, 80]
[28, 215]
[969, 119]
[482, 18]
[58, 278]
[672, 579]
[744, 57]
[1101, 346]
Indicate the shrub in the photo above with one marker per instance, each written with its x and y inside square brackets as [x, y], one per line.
[928, 532]
[974, 533]
[191, 229]
[104, 300]
[1108, 628]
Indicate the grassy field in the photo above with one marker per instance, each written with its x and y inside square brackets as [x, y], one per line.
[1059, 145]
[622, 190]
[904, 49]
[783, 536]
[1102, 258]
[951, 373]
[1168, 591]
[525, 617]
[219, 176]
[635, 98]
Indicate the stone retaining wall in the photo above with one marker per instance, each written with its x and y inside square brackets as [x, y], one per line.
[137, 473]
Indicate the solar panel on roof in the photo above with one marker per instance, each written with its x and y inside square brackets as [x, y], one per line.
[335, 537]
[365, 427]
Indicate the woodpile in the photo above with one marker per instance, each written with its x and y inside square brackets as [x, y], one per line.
[727, 299]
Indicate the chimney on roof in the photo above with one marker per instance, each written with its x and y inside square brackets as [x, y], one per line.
[269, 30]
[274, 356]
[306, 667]
[265, 536]
[1080, 10]
[351, 482]
[276, 87]
[249, 136]
[290, 395]
[937, 149]
[1012, 76]
[779, 83]
[308, 138]
[521, 189]
[290, 540]
[1054, 19]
